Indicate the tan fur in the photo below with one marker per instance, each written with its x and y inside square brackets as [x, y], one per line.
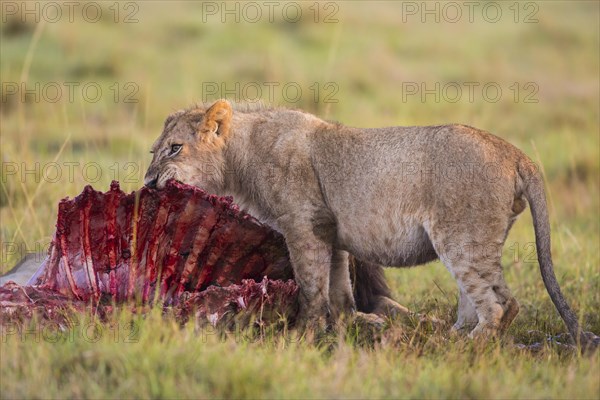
[397, 196]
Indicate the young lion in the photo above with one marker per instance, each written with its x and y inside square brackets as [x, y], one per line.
[398, 196]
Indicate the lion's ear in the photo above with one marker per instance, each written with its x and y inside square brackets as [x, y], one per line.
[217, 120]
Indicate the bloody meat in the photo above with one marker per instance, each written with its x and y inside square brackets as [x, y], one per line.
[169, 245]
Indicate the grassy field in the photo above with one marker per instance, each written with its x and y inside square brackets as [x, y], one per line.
[365, 64]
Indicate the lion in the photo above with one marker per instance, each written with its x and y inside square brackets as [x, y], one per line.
[395, 196]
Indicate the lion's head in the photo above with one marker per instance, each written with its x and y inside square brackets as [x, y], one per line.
[190, 148]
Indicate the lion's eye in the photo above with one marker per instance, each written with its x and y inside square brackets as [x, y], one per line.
[176, 148]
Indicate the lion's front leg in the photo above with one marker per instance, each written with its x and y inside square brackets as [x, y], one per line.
[341, 298]
[311, 261]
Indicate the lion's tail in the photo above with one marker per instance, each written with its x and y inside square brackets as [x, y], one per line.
[533, 188]
[368, 284]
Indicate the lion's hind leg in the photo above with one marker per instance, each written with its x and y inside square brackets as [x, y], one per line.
[473, 258]
[467, 315]
[486, 289]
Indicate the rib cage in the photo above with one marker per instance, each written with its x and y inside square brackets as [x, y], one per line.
[156, 243]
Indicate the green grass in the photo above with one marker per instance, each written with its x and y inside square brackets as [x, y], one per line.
[164, 360]
[368, 54]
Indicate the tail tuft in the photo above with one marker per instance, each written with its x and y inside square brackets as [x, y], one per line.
[368, 284]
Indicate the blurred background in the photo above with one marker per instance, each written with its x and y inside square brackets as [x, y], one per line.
[86, 87]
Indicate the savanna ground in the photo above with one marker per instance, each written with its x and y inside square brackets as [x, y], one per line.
[373, 54]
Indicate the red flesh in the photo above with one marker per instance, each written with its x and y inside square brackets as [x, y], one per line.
[173, 244]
